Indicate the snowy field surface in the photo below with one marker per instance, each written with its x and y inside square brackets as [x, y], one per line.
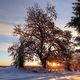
[11, 73]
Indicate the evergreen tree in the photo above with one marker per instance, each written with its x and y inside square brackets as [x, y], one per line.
[75, 20]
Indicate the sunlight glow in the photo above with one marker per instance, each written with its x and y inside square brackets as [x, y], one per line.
[5, 62]
[54, 64]
[32, 63]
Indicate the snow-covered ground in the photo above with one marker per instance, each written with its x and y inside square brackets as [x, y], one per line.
[11, 73]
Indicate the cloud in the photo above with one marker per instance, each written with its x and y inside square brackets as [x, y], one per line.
[5, 58]
[61, 24]
[6, 29]
[6, 36]
[12, 11]
[4, 46]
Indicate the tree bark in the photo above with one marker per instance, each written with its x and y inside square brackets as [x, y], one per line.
[68, 67]
[44, 63]
[20, 62]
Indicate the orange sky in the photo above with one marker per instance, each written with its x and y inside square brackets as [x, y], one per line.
[8, 62]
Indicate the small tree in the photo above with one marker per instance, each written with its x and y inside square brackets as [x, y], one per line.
[68, 49]
[76, 60]
[65, 49]
[19, 50]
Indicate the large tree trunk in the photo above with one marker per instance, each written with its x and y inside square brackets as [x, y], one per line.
[43, 60]
[44, 63]
[68, 67]
[20, 60]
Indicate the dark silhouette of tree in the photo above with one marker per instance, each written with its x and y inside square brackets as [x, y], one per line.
[45, 33]
[76, 60]
[18, 50]
[75, 20]
[43, 30]
[68, 49]
[65, 50]
[41, 38]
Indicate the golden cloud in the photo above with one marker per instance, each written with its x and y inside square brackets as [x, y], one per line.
[6, 29]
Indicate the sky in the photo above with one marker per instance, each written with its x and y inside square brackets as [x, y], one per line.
[13, 12]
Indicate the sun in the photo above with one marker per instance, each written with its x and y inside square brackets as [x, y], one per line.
[54, 64]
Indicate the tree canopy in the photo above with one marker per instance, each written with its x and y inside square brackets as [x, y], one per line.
[41, 38]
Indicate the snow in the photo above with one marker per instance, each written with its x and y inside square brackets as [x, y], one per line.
[12, 73]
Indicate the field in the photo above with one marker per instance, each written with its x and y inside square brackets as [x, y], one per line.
[11, 73]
